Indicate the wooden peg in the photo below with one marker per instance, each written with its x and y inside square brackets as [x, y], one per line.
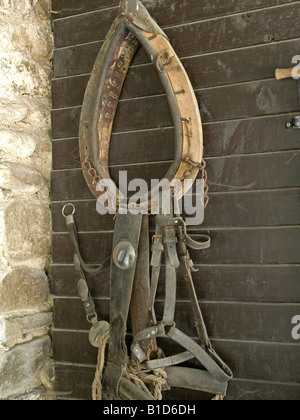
[285, 73]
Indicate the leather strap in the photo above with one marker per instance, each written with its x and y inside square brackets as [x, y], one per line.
[140, 315]
[170, 301]
[170, 241]
[213, 364]
[170, 361]
[72, 229]
[195, 379]
[157, 250]
[125, 251]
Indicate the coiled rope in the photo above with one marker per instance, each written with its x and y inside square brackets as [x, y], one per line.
[152, 382]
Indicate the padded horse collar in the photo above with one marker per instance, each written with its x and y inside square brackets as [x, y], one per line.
[131, 287]
[134, 27]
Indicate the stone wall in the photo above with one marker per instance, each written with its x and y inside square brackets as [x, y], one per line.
[26, 47]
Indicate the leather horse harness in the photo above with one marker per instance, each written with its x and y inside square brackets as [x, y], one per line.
[132, 289]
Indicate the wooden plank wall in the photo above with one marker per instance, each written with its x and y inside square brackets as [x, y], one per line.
[249, 281]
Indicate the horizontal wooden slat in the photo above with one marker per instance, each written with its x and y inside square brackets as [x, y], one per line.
[217, 69]
[192, 9]
[73, 89]
[94, 222]
[253, 172]
[69, 185]
[100, 245]
[64, 341]
[204, 71]
[249, 136]
[230, 320]
[249, 28]
[273, 208]
[217, 104]
[83, 28]
[66, 154]
[76, 59]
[138, 147]
[66, 8]
[263, 391]
[63, 282]
[258, 246]
[225, 138]
[233, 246]
[69, 313]
[76, 380]
[249, 360]
[65, 123]
[254, 360]
[242, 30]
[230, 283]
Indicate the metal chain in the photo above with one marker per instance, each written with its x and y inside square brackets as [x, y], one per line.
[91, 171]
[204, 176]
[202, 168]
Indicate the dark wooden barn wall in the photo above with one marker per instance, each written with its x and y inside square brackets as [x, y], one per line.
[249, 281]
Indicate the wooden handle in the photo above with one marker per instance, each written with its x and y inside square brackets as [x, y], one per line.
[285, 73]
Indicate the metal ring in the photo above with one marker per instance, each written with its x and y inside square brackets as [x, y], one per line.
[165, 69]
[66, 206]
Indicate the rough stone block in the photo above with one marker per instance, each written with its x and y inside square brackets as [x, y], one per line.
[21, 329]
[17, 177]
[17, 6]
[23, 76]
[2, 329]
[12, 113]
[20, 366]
[27, 232]
[17, 143]
[24, 288]
[34, 395]
[26, 28]
[37, 39]
[38, 112]
[42, 9]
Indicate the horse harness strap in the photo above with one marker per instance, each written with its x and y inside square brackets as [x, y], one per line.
[132, 289]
